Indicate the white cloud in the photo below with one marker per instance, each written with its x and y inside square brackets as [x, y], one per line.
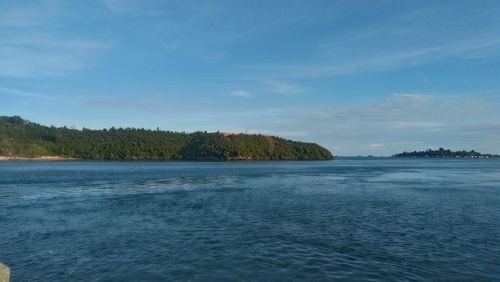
[376, 147]
[284, 87]
[413, 97]
[240, 93]
[399, 122]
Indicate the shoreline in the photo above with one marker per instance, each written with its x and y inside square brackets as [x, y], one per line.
[41, 158]
[59, 158]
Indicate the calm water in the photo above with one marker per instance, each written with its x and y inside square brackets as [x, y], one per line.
[349, 219]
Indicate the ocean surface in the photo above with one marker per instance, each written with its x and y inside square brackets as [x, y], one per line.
[377, 219]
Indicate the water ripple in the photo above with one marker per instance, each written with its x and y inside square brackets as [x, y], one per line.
[368, 220]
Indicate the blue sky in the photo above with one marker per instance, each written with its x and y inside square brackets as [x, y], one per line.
[359, 77]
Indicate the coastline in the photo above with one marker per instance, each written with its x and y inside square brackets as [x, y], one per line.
[41, 158]
[60, 158]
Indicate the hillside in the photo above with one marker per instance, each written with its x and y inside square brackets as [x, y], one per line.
[22, 138]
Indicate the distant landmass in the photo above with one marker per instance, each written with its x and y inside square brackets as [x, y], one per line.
[22, 139]
[444, 153]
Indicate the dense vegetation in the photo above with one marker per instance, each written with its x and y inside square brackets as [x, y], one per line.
[443, 153]
[22, 138]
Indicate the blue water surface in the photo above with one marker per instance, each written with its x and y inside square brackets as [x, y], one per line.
[377, 219]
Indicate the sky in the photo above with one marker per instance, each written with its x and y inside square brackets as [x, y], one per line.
[358, 77]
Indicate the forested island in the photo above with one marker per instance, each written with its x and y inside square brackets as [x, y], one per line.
[444, 153]
[20, 139]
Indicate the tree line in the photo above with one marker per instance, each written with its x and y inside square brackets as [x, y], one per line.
[22, 138]
[443, 153]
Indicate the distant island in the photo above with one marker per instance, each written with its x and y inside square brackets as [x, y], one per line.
[22, 139]
[444, 153]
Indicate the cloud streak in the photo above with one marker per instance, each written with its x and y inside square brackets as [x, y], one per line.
[33, 45]
[240, 93]
[399, 122]
[23, 93]
[284, 87]
[44, 55]
[474, 48]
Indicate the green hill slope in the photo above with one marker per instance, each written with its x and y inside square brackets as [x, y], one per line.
[22, 138]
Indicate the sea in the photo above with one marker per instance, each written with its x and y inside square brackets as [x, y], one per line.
[350, 219]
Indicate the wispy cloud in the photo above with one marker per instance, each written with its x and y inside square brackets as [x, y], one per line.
[42, 55]
[240, 93]
[27, 15]
[284, 87]
[399, 122]
[150, 103]
[123, 6]
[475, 48]
[119, 104]
[33, 45]
[376, 147]
[23, 93]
